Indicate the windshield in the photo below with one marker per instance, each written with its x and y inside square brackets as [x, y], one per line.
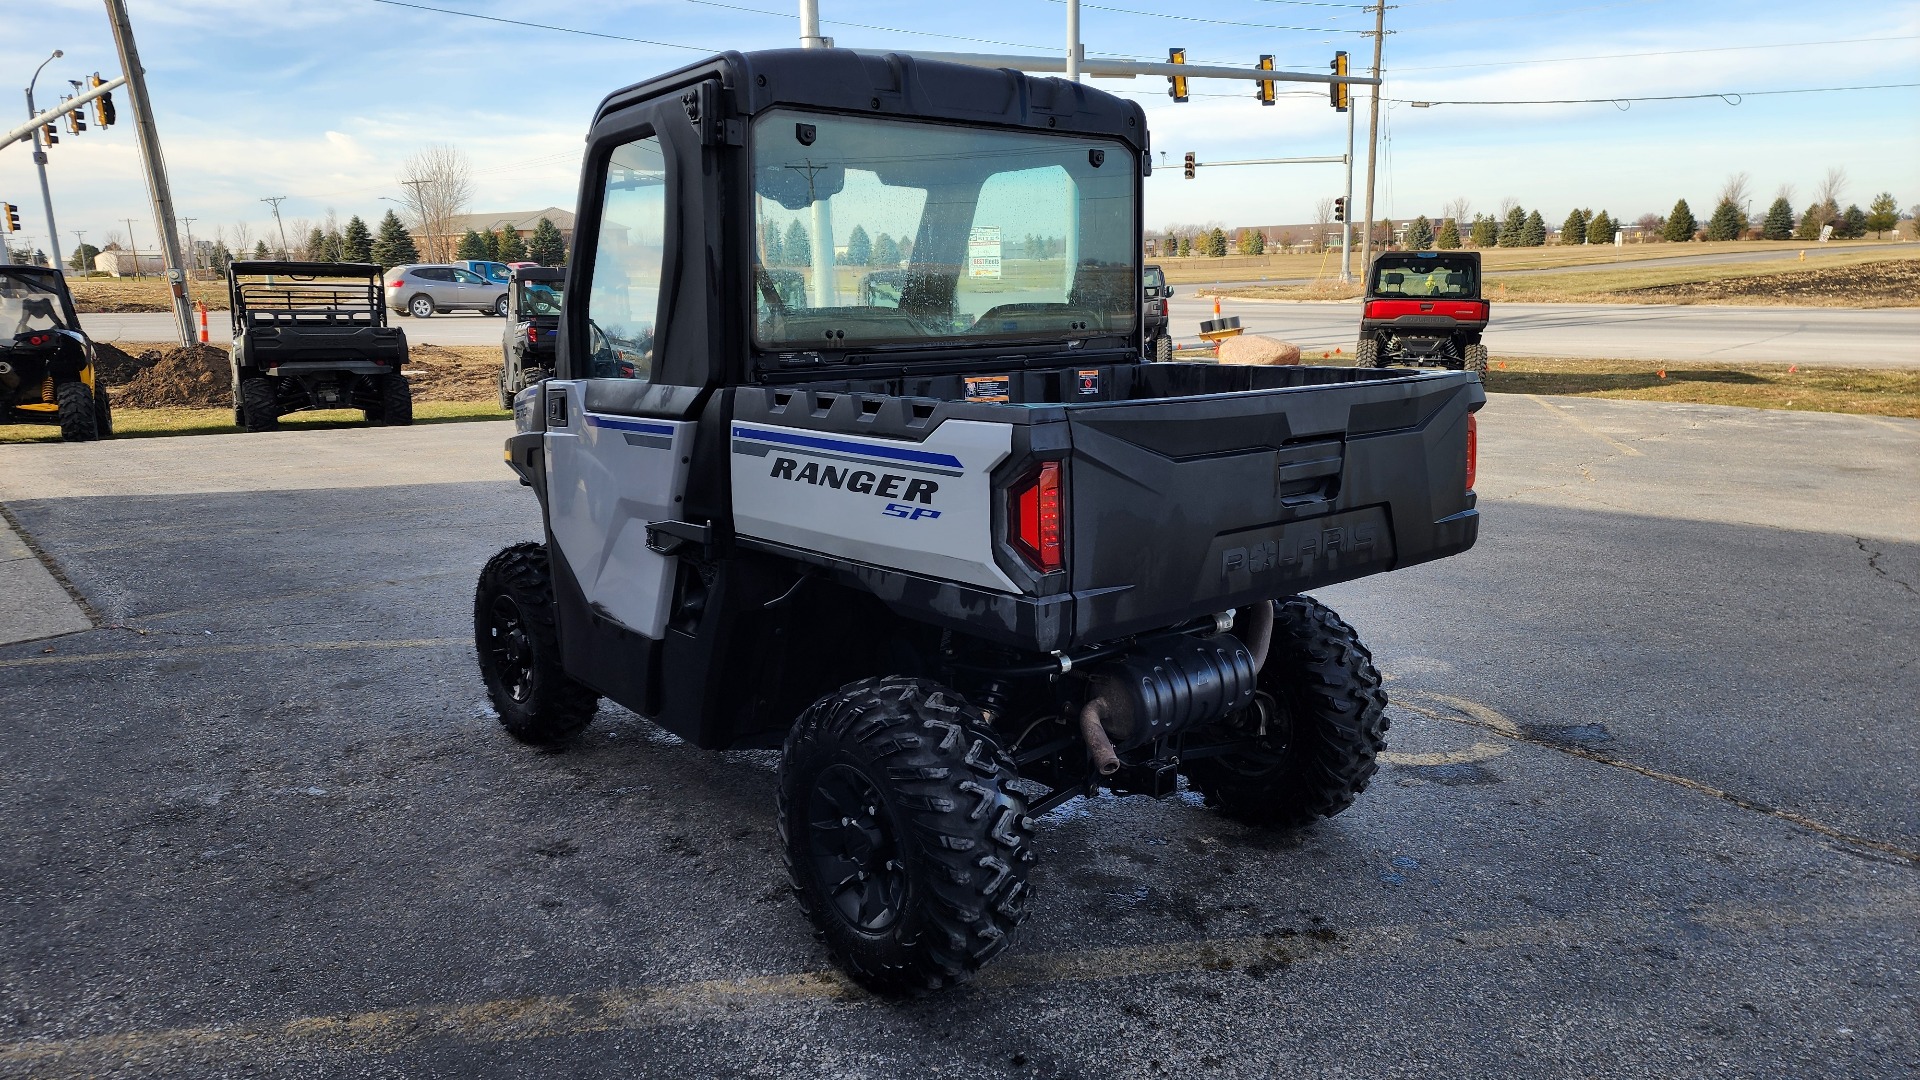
[541, 297]
[1441, 277]
[876, 232]
[1155, 279]
[26, 306]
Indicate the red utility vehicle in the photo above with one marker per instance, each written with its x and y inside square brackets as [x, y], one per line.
[1424, 307]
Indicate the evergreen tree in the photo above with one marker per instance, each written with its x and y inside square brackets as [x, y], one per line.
[82, 258]
[1533, 231]
[1727, 222]
[1818, 216]
[1186, 245]
[260, 250]
[1217, 242]
[394, 244]
[1882, 214]
[799, 244]
[356, 243]
[1253, 242]
[548, 247]
[772, 251]
[859, 247]
[221, 257]
[1779, 222]
[316, 246]
[1420, 234]
[886, 253]
[1512, 229]
[1449, 237]
[512, 248]
[1853, 224]
[1574, 229]
[1680, 224]
[471, 247]
[1485, 232]
[1601, 229]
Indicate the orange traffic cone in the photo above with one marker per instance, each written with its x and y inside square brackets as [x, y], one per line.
[1663, 373]
[1791, 368]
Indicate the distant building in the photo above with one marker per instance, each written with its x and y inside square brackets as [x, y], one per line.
[129, 264]
[522, 222]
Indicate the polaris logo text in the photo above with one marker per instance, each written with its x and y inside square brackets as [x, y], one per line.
[885, 485]
[1255, 558]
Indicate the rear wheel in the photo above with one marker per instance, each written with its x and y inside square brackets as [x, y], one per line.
[1476, 360]
[259, 409]
[78, 420]
[1366, 353]
[102, 407]
[506, 393]
[907, 848]
[396, 400]
[1314, 731]
[500, 306]
[513, 631]
[420, 307]
[1162, 349]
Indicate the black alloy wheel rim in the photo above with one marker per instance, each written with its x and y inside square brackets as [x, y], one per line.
[509, 649]
[852, 850]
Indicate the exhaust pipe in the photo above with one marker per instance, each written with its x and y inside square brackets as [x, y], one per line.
[1105, 761]
[1258, 636]
[5, 368]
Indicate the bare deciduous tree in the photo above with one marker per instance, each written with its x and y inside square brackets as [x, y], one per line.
[1739, 191]
[439, 186]
[1507, 206]
[242, 243]
[1831, 186]
[1322, 220]
[1457, 211]
[297, 231]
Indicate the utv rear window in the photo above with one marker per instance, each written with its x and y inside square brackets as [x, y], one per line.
[876, 232]
[1452, 279]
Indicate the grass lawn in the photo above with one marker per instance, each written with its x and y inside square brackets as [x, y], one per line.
[145, 423]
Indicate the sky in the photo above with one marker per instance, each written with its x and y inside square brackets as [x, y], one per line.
[323, 101]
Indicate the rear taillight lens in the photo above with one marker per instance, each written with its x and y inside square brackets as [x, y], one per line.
[533, 334]
[1033, 518]
[396, 283]
[1473, 449]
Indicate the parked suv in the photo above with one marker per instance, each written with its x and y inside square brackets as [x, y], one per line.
[426, 289]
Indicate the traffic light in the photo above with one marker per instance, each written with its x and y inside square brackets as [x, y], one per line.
[1265, 91]
[102, 105]
[1339, 91]
[47, 135]
[1340, 208]
[1177, 84]
[11, 215]
[75, 123]
[1190, 164]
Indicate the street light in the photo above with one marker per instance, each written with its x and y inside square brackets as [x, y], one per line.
[40, 156]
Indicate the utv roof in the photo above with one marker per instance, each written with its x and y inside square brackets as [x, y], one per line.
[24, 270]
[304, 269]
[1409, 258]
[899, 85]
[538, 273]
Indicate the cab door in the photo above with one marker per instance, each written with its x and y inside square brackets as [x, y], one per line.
[613, 470]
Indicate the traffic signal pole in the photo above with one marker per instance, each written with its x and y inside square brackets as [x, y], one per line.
[40, 162]
[156, 168]
[1373, 131]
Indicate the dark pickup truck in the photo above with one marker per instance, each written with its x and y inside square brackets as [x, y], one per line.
[534, 294]
[311, 335]
[953, 544]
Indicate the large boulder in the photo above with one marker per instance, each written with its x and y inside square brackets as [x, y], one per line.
[1258, 351]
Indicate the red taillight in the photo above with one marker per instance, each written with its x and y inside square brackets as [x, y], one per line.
[1034, 519]
[1473, 449]
[39, 339]
[396, 283]
[533, 334]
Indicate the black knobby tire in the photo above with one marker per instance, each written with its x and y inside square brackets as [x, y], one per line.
[513, 631]
[1325, 724]
[102, 407]
[259, 408]
[1367, 354]
[1476, 360]
[1163, 349]
[506, 395]
[396, 400]
[78, 421]
[898, 780]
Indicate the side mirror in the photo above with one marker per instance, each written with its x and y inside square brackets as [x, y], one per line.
[1169, 290]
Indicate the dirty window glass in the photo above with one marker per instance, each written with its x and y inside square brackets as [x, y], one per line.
[623, 299]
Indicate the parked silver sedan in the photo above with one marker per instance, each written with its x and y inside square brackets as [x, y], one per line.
[425, 289]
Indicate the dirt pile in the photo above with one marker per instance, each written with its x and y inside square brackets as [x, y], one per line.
[118, 366]
[195, 377]
[1895, 283]
[460, 373]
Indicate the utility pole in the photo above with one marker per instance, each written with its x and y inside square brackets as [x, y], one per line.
[417, 204]
[193, 255]
[134, 245]
[276, 200]
[40, 159]
[1373, 132]
[810, 26]
[157, 186]
[81, 251]
[1073, 41]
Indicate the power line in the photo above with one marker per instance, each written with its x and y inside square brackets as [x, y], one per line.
[547, 26]
[1663, 52]
[1215, 22]
[1731, 97]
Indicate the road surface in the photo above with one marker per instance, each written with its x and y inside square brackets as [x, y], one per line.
[1880, 337]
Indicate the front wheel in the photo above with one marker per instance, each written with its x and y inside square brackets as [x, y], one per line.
[1311, 739]
[907, 847]
[513, 631]
[1367, 354]
[78, 421]
[500, 306]
[1476, 360]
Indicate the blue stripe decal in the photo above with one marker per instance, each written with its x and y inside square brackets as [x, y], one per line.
[641, 426]
[893, 453]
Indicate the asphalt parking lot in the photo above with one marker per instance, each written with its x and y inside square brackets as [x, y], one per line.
[1649, 808]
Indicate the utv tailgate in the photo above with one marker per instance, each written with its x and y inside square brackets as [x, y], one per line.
[1184, 506]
